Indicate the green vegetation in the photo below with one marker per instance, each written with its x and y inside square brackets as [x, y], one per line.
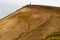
[55, 36]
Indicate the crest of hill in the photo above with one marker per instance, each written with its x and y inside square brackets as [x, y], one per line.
[49, 8]
[25, 23]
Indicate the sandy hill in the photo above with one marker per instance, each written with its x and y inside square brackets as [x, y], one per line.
[31, 22]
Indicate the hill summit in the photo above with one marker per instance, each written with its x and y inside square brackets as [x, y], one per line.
[31, 22]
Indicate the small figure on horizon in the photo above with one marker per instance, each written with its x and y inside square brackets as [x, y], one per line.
[30, 3]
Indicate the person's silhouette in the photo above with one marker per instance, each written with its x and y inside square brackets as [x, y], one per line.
[30, 3]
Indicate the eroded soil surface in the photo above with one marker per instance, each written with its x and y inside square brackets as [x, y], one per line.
[32, 22]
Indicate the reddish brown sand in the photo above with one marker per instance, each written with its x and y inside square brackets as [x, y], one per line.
[32, 22]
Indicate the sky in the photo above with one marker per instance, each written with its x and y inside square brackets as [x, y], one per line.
[9, 6]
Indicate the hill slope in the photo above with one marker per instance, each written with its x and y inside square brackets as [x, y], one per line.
[31, 22]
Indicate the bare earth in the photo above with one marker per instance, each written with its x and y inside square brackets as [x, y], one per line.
[32, 22]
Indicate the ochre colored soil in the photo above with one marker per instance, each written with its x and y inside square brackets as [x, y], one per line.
[31, 22]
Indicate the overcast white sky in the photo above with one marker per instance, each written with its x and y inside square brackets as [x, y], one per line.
[9, 6]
